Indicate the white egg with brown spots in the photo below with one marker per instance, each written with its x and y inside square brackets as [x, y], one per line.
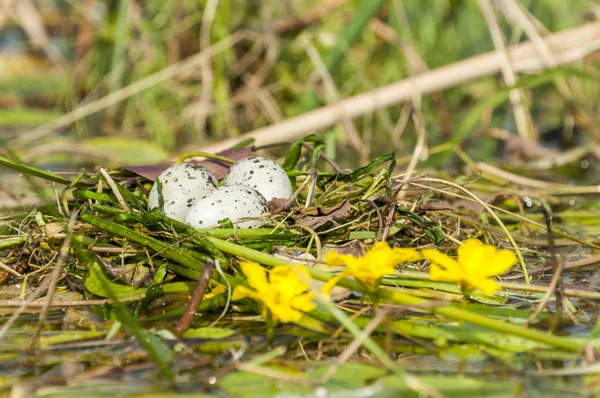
[262, 174]
[182, 185]
[231, 201]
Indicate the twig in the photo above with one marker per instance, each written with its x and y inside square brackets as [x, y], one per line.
[10, 270]
[420, 147]
[197, 296]
[526, 182]
[396, 134]
[568, 45]
[114, 188]
[513, 215]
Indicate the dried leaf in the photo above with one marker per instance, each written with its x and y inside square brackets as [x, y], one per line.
[354, 248]
[314, 218]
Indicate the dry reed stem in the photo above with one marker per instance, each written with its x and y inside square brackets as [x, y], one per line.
[526, 182]
[113, 186]
[516, 96]
[567, 46]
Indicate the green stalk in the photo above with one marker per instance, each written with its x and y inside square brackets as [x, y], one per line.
[155, 218]
[408, 300]
[13, 241]
[193, 260]
[33, 171]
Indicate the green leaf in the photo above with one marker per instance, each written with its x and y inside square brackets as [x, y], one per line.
[356, 174]
[293, 155]
[97, 283]
[208, 333]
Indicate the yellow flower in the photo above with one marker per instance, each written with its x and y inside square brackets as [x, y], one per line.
[473, 269]
[378, 261]
[285, 294]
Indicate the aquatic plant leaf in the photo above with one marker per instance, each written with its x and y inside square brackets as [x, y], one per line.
[293, 155]
[358, 173]
[97, 283]
[208, 333]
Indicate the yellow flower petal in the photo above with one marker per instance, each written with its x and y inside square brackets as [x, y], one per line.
[303, 303]
[284, 294]
[285, 314]
[404, 255]
[336, 259]
[473, 256]
[332, 282]
[475, 265]
[257, 276]
[442, 260]
[436, 273]
[379, 261]
[501, 263]
[240, 292]
[487, 286]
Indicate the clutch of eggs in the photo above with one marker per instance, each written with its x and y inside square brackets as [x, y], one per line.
[191, 194]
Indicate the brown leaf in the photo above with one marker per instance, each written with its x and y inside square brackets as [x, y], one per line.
[314, 218]
[278, 205]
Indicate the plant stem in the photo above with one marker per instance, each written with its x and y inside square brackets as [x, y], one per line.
[207, 155]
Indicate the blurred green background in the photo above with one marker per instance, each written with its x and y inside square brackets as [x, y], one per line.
[58, 56]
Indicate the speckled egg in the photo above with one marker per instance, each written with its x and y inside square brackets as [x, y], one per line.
[262, 174]
[230, 201]
[182, 185]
